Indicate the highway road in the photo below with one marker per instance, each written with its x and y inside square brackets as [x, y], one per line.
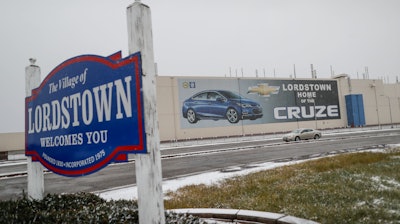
[188, 160]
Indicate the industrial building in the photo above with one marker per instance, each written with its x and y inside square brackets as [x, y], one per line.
[287, 104]
[220, 107]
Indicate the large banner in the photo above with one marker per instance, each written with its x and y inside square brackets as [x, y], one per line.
[223, 102]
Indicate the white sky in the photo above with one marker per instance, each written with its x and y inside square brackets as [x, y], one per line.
[202, 38]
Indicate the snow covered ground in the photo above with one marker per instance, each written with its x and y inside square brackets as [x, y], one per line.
[209, 178]
[130, 192]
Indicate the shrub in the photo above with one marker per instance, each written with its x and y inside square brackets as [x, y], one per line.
[77, 208]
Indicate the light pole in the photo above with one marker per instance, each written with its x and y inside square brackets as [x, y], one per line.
[390, 110]
[398, 100]
[376, 104]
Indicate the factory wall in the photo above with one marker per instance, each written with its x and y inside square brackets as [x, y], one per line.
[381, 106]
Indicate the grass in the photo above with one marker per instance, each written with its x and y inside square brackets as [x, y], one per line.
[348, 188]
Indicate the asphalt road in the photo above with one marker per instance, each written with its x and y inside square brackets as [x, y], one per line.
[195, 159]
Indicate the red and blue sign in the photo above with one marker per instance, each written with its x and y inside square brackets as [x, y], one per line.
[87, 113]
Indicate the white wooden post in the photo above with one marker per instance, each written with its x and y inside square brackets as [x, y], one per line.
[35, 169]
[148, 166]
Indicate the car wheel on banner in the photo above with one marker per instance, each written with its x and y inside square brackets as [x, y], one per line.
[232, 115]
[191, 116]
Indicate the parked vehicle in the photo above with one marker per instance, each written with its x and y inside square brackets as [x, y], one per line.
[220, 104]
[302, 134]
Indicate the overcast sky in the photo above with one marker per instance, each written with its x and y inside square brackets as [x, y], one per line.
[202, 38]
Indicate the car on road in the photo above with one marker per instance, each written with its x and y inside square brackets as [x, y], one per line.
[220, 104]
[302, 134]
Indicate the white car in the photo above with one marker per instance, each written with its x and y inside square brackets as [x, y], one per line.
[302, 134]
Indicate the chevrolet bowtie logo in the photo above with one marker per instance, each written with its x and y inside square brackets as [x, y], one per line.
[263, 89]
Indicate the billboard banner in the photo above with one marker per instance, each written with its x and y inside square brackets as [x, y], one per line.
[86, 113]
[223, 102]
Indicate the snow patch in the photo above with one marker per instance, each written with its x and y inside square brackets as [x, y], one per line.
[386, 183]
[209, 178]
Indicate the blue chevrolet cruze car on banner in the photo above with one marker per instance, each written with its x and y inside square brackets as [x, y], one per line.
[220, 104]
